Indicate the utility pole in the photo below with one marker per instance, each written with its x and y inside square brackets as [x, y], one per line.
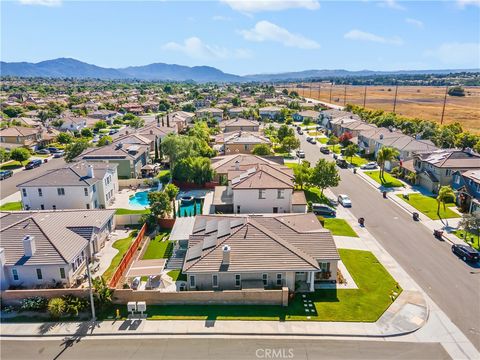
[319, 89]
[345, 95]
[365, 96]
[310, 88]
[395, 99]
[331, 87]
[444, 103]
[89, 275]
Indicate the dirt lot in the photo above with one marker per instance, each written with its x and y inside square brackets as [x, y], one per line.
[424, 102]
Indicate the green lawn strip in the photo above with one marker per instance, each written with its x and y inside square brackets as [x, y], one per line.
[13, 164]
[12, 206]
[339, 227]
[158, 249]
[461, 235]
[428, 206]
[314, 195]
[356, 160]
[389, 181]
[335, 148]
[177, 275]
[322, 140]
[365, 304]
[131, 211]
[291, 165]
[122, 246]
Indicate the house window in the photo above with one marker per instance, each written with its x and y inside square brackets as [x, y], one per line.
[61, 191]
[261, 194]
[448, 172]
[88, 206]
[15, 274]
[62, 273]
[192, 281]
[85, 190]
[40, 192]
[214, 280]
[281, 194]
[238, 209]
[265, 279]
[279, 279]
[238, 280]
[246, 147]
[42, 207]
[24, 192]
[325, 266]
[39, 274]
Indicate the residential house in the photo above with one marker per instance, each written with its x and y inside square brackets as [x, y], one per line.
[71, 123]
[467, 187]
[310, 115]
[239, 142]
[236, 111]
[259, 252]
[46, 248]
[270, 112]
[17, 136]
[106, 115]
[214, 113]
[79, 186]
[239, 124]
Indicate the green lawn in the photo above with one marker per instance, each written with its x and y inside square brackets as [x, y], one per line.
[12, 206]
[12, 165]
[291, 165]
[158, 249]
[322, 140]
[122, 246]
[365, 304]
[131, 211]
[389, 181]
[335, 148]
[461, 235]
[164, 176]
[177, 275]
[428, 206]
[356, 160]
[314, 195]
[339, 227]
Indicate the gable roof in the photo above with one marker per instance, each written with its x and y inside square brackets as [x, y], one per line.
[265, 176]
[451, 158]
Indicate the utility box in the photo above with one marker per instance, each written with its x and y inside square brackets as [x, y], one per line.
[141, 306]
[132, 306]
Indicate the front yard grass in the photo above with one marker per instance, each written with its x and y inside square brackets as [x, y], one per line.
[322, 140]
[339, 227]
[365, 304]
[158, 248]
[13, 164]
[428, 206]
[356, 160]
[314, 195]
[122, 246]
[469, 235]
[131, 211]
[337, 149]
[12, 206]
[389, 181]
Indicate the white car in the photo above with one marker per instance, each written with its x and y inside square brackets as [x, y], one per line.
[369, 166]
[344, 200]
[301, 154]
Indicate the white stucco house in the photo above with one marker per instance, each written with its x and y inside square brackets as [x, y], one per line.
[71, 123]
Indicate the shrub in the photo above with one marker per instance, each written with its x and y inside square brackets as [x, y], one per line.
[56, 307]
[74, 304]
[35, 303]
[396, 172]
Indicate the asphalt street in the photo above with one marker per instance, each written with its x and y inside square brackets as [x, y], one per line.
[9, 186]
[451, 283]
[217, 349]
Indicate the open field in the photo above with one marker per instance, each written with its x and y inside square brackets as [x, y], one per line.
[424, 102]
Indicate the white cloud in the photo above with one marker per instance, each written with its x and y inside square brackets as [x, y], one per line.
[266, 31]
[251, 6]
[465, 3]
[197, 49]
[41, 2]
[457, 54]
[414, 22]
[392, 4]
[359, 35]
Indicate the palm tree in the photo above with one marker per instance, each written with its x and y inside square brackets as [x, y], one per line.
[444, 195]
[172, 191]
[385, 154]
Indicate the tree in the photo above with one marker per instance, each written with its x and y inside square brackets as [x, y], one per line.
[4, 155]
[12, 111]
[445, 194]
[164, 105]
[86, 132]
[160, 204]
[466, 140]
[100, 125]
[261, 149]
[236, 101]
[128, 117]
[74, 149]
[290, 143]
[285, 92]
[471, 223]
[189, 107]
[103, 293]
[350, 151]
[196, 170]
[172, 191]
[345, 138]
[385, 154]
[324, 174]
[456, 91]
[64, 138]
[284, 131]
[333, 140]
[302, 174]
[20, 154]
[137, 122]
[105, 140]
[56, 307]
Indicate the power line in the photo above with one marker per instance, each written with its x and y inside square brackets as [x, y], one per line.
[444, 103]
[395, 99]
[365, 96]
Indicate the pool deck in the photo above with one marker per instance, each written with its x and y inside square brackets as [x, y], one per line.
[122, 199]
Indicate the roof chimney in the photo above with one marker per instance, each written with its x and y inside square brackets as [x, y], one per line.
[226, 255]
[90, 172]
[29, 245]
[237, 165]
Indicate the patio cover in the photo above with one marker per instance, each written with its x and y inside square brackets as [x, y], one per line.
[146, 268]
[183, 228]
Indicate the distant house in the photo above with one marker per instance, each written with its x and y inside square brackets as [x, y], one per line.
[45, 248]
[270, 112]
[106, 115]
[240, 142]
[467, 187]
[71, 123]
[17, 136]
[236, 111]
[79, 186]
[214, 113]
[239, 124]
[311, 115]
[259, 252]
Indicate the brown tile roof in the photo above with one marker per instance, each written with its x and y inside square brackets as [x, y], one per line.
[223, 164]
[265, 176]
[298, 198]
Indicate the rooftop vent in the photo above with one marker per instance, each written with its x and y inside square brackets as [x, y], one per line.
[226, 255]
[29, 245]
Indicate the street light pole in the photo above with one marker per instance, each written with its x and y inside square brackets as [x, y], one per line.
[89, 275]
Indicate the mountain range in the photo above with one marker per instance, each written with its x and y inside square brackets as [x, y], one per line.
[72, 68]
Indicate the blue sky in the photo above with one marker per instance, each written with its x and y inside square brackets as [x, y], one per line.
[245, 37]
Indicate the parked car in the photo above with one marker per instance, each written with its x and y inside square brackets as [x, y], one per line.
[113, 131]
[325, 150]
[59, 154]
[300, 132]
[311, 140]
[344, 200]
[341, 162]
[321, 209]
[5, 174]
[298, 128]
[301, 154]
[33, 164]
[369, 166]
[53, 150]
[466, 252]
[43, 152]
[332, 201]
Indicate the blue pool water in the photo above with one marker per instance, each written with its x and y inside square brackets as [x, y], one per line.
[139, 199]
[188, 209]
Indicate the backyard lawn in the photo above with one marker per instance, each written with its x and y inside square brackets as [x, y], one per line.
[339, 227]
[356, 160]
[158, 249]
[122, 246]
[12, 206]
[177, 275]
[389, 181]
[365, 304]
[461, 235]
[131, 211]
[428, 206]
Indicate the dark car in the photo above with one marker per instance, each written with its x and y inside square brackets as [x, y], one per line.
[43, 152]
[59, 154]
[325, 150]
[33, 164]
[53, 150]
[467, 253]
[320, 209]
[300, 132]
[5, 174]
[342, 163]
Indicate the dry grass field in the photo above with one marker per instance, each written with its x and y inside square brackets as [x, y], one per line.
[424, 102]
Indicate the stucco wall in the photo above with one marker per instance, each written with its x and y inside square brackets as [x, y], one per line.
[250, 203]
[74, 197]
[226, 281]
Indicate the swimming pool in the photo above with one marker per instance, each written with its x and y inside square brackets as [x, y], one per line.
[140, 199]
[189, 210]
